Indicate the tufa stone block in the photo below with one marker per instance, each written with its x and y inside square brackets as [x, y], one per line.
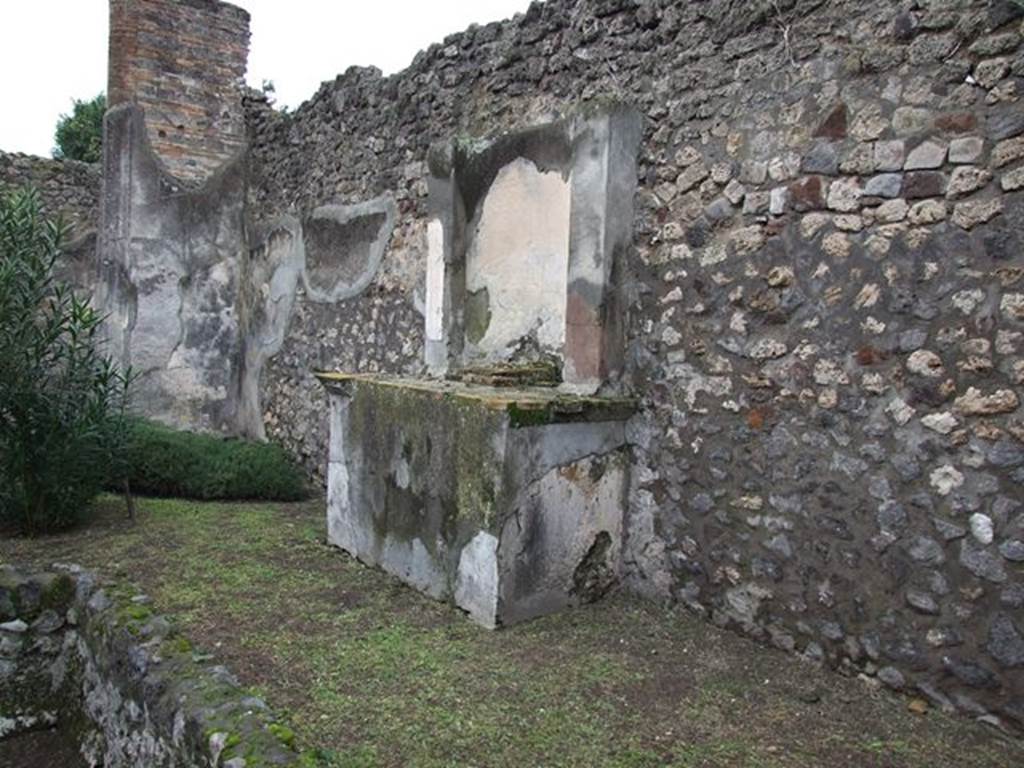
[884, 185]
[889, 155]
[925, 156]
[918, 184]
[966, 149]
[822, 158]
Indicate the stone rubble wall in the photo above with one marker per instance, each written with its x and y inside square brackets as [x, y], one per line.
[66, 187]
[825, 303]
[70, 189]
[97, 662]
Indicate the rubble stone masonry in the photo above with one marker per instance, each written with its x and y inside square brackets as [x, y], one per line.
[825, 303]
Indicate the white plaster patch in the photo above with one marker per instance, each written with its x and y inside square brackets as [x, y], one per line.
[435, 281]
[410, 561]
[401, 470]
[340, 528]
[520, 255]
[476, 583]
[338, 421]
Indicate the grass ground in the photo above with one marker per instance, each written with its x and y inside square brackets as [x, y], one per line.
[374, 674]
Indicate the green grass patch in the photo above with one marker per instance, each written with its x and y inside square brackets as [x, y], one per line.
[363, 672]
[167, 462]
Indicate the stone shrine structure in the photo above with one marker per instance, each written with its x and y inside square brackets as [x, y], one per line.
[506, 499]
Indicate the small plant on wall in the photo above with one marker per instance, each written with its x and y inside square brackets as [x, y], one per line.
[62, 401]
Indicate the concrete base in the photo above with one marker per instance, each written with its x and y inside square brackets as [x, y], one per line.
[506, 502]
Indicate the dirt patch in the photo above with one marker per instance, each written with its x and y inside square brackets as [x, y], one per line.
[39, 749]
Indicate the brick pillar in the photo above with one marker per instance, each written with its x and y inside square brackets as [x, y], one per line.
[183, 62]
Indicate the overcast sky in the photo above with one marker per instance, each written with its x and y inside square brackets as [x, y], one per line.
[56, 50]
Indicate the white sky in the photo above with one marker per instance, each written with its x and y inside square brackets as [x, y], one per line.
[56, 50]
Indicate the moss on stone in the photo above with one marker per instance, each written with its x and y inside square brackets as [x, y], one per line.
[179, 644]
[522, 416]
[436, 421]
[59, 594]
[467, 146]
[477, 463]
[137, 612]
[534, 373]
[132, 616]
[283, 733]
[568, 409]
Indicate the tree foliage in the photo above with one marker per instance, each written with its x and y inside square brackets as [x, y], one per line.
[79, 136]
[62, 402]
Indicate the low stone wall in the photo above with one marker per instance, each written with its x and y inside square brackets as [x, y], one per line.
[99, 663]
[67, 187]
[71, 190]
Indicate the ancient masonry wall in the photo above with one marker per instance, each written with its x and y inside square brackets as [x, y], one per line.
[71, 190]
[96, 661]
[172, 236]
[182, 63]
[66, 187]
[825, 303]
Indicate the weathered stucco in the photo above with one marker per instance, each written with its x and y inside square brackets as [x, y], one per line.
[445, 487]
[170, 263]
[525, 234]
[329, 258]
[518, 264]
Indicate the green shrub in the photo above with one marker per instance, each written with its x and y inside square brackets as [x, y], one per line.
[167, 462]
[62, 402]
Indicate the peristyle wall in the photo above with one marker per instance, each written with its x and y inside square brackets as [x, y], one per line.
[822, 303]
